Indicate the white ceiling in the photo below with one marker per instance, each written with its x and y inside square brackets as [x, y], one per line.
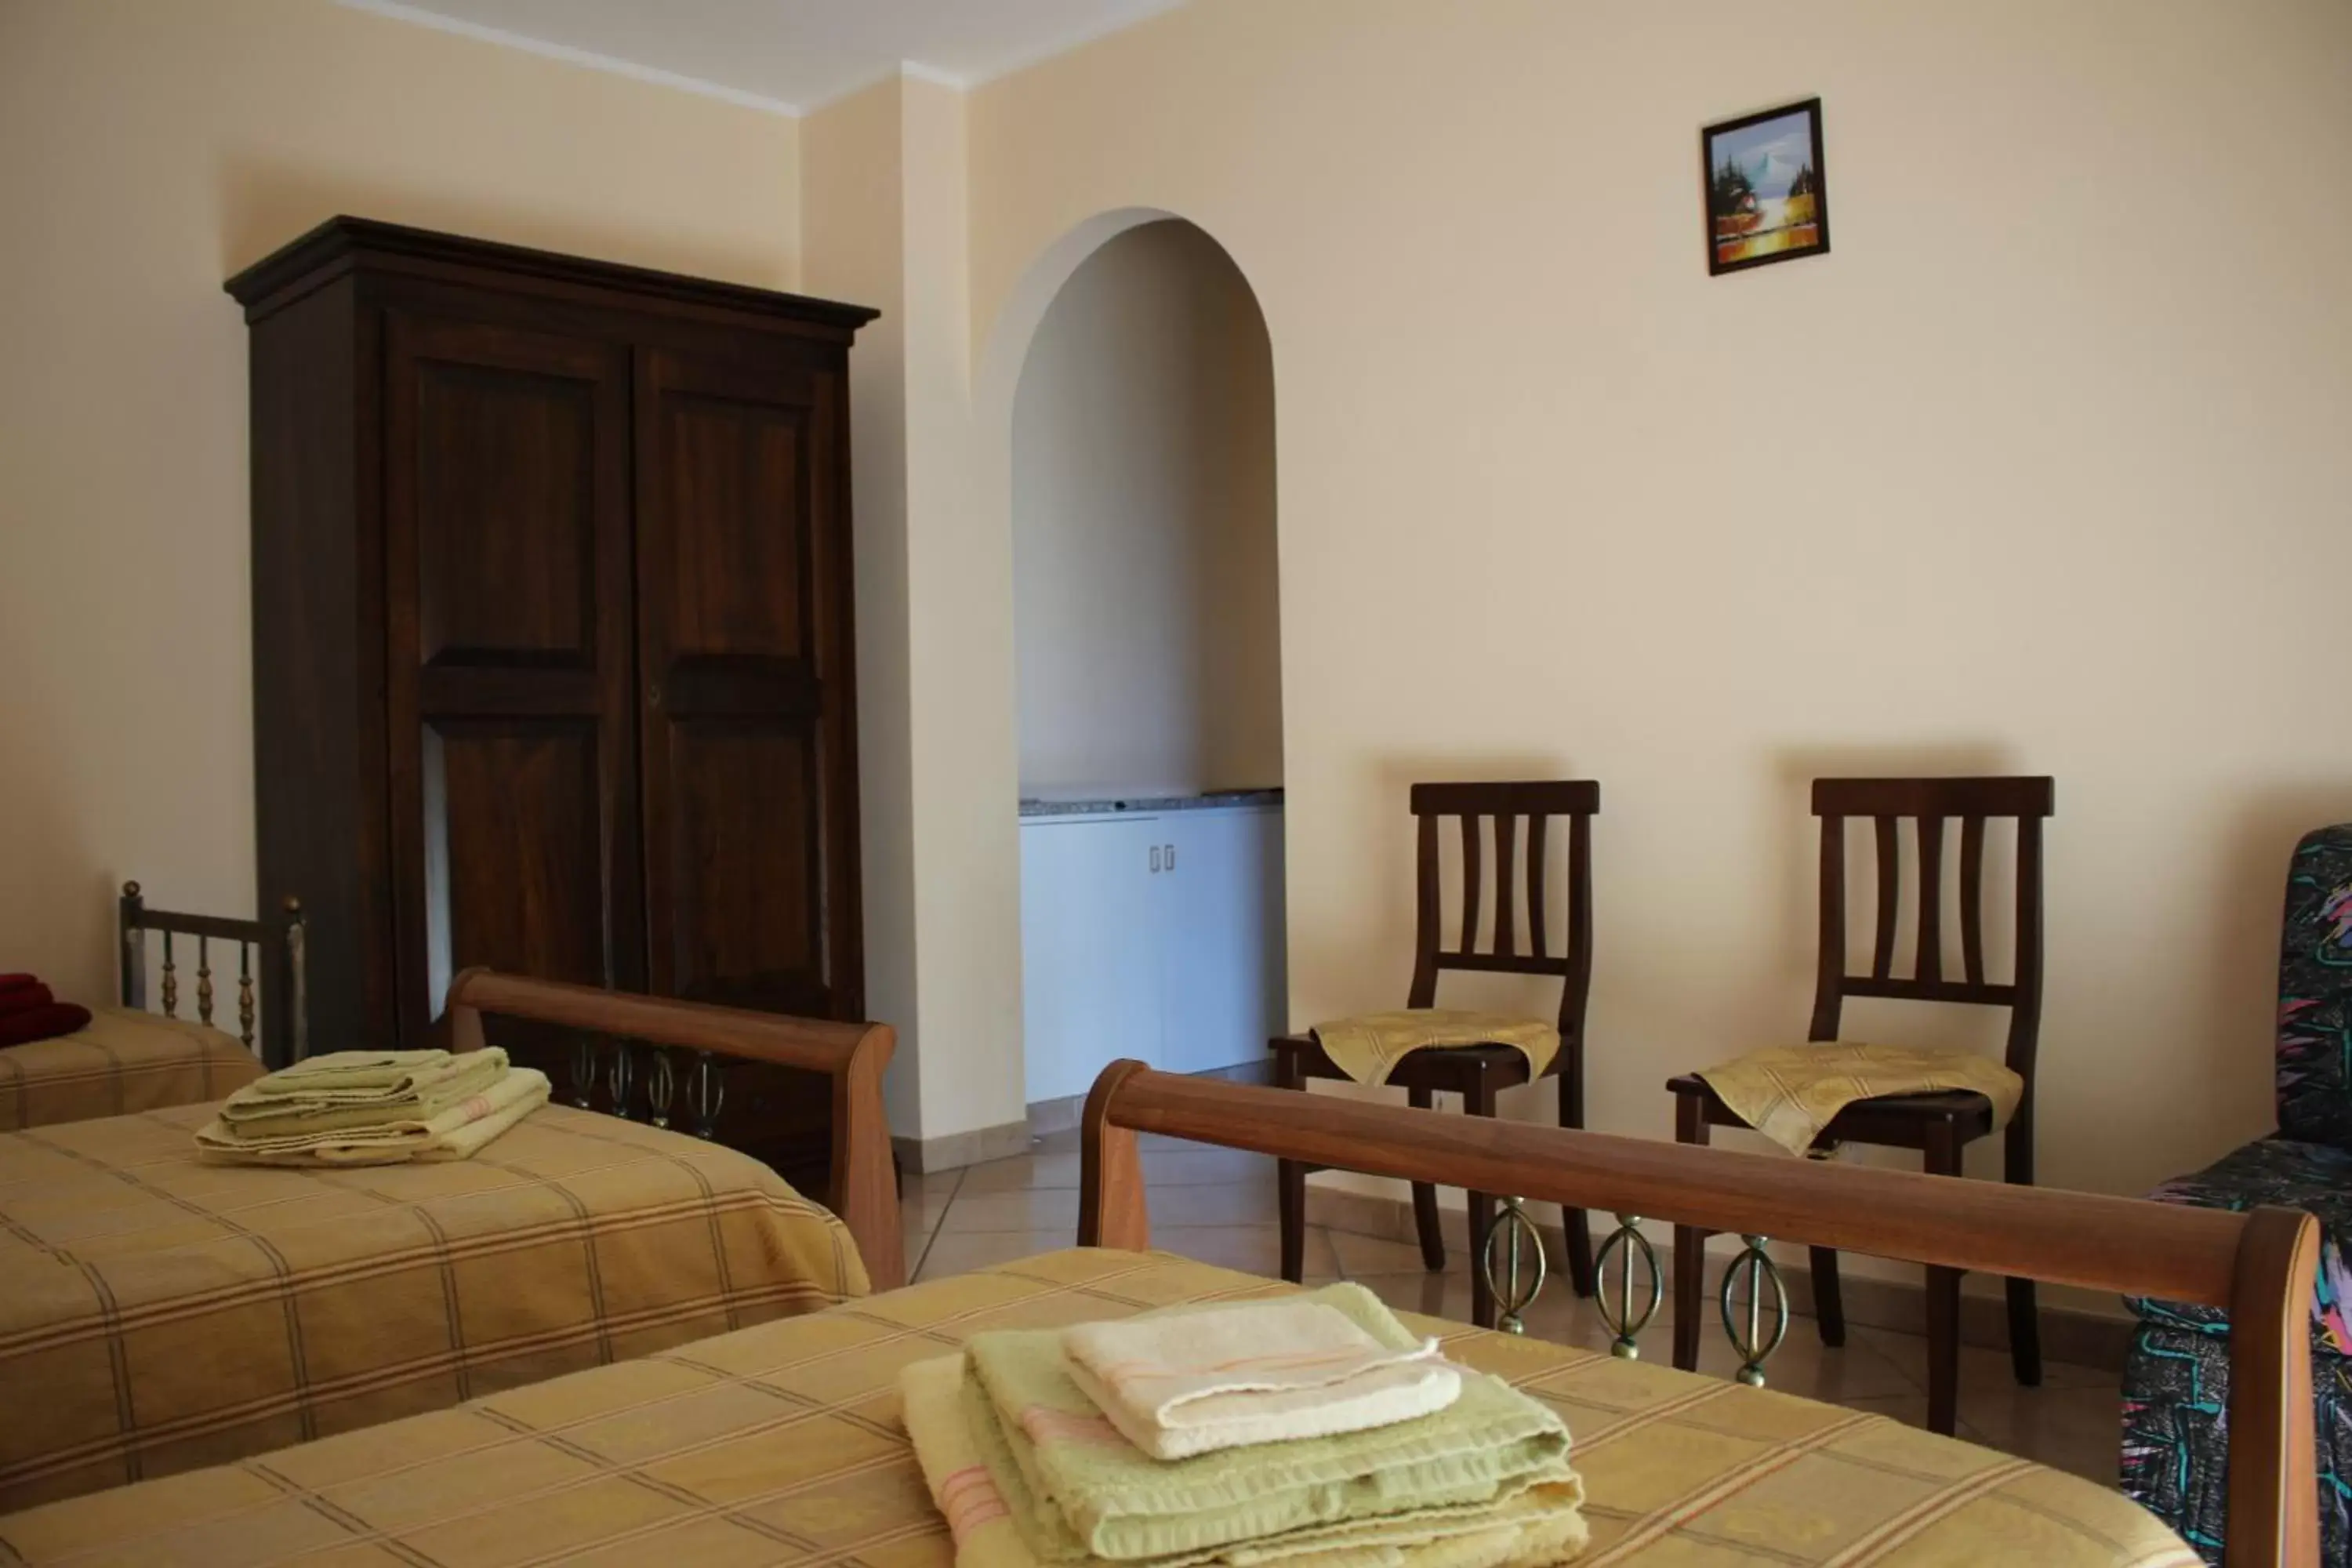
[785, 55]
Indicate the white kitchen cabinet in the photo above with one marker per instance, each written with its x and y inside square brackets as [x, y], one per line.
[1157, 936]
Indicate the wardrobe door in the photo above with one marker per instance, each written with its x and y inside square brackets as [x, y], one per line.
[514, 781]
[743, 651]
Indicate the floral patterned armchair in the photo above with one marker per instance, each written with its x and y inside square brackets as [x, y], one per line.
[2177, 1382]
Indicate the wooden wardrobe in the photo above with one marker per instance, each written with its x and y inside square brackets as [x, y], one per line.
[551, 637]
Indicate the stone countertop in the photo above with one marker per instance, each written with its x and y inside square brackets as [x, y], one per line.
[1147, 805]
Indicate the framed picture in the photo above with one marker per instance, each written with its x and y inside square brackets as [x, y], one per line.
[1767, 196]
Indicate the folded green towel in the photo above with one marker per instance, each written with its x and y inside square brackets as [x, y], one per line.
[380, 1082]
[305, 1118]
[1078, 1489]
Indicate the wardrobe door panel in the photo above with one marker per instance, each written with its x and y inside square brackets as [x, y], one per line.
[509, 670]
[513, 847]
[745, 686]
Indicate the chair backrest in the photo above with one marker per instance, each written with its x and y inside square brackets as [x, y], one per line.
[1507, 805]
[2314, 1096]
[1929, 803]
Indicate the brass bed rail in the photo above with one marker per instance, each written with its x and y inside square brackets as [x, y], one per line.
[272, 1003]
[2259, 1264]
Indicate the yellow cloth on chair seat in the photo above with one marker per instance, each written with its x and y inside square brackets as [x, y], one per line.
[1789, 1093]
[1368, 1047]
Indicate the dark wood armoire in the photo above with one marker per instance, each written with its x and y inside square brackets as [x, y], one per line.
[551, 641]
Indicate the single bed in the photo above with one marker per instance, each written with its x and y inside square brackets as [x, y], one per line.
[163, 1314]
[129, 1059]
[782, 1444]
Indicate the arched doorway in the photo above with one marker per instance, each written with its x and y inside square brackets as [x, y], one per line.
[1148, 687]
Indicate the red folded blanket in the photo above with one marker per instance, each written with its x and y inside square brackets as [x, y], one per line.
[44, 1023]
[25, 997]
[9, 982]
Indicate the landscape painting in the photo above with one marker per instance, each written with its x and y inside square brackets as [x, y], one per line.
[1767, 199]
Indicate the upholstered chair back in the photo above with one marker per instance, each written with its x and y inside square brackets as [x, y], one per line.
[2315, 1037]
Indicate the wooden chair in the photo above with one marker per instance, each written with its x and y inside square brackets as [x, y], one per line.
[2259, 1264]
[1478, 1073]
[1939, 1125]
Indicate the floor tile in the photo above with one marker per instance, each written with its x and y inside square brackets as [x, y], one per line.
[1979, 1365]
[2074, 1429]
[1251, 1248]
[1038, 1168]
[1199, 1164]
[1025, 1209]
[1363, 1254]
[983, 1249]
[1230, 1203]
[920, 1209]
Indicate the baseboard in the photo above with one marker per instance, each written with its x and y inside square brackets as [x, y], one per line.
[1048, 1117]
[2078, 1337]
[958, 1149]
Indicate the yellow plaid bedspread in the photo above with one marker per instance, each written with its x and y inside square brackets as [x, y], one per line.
[123, 1062]
[1790, 1093]
[781, 1445]
[161, 1315]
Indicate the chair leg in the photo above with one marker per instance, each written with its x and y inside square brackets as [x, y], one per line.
[1478, 1100]
[1290, 1184]
[2024, 1320]
[1943, 1301]
[1690, 1246]
[1829, 1300]
[1574, 1222]
[1424, 1202]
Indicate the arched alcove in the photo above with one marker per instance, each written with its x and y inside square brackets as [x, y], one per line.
[1145, 614]
[1139, 443]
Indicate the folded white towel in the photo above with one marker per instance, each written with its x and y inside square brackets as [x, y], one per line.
[1265, 1372]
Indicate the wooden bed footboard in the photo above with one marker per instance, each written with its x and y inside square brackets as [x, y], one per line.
[2258, 1264]
[646, 1030]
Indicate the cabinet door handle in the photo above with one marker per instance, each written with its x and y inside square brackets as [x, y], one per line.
[1169, 860]
[1155, 857]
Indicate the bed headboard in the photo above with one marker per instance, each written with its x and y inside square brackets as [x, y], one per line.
[272, 1007]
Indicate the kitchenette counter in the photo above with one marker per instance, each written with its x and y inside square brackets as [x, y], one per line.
[1110, 805]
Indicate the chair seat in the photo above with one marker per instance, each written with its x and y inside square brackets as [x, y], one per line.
[1437, 1067]
[1896, 1119]
[2313, 1177]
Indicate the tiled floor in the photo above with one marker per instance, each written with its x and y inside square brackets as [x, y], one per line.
[1217, 1204]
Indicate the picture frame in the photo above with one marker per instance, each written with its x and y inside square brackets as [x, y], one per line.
[1764, 188]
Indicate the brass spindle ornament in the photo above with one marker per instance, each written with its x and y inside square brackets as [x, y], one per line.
[204, 981]
[620, 1079]
[171, 981]
[660, 1083]
[1518, 1238]
[298, 970]
[1626, 1244]
[584, 1073]
[1748, 1338]
[245, 993]
[706, 1095]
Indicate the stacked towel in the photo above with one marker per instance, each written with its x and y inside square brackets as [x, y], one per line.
[1268, 1372]
[372, 1108]
[1029, 1470]
[30, 1011]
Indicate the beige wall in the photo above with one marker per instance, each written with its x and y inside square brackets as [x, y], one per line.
[1144, 579]
[2043, 469]
[147, 151]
